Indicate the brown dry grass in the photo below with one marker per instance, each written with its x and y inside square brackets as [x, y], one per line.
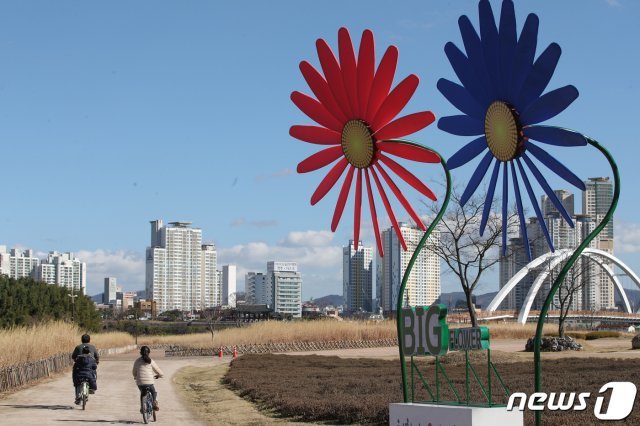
[26, 344]
[318, 388]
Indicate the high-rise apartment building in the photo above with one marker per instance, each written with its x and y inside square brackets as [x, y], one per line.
[285, 282]
[357, 277]
[596, 201]
[65, 270]
[423, 285]
[257, 289]
[110, 290]
[229, 285]
[181, 272]
[18, 263]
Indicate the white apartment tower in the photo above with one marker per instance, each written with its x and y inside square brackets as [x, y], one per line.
[18, 263]
[65, 270]
[357, 277]
[229, 285]
[110, 290]
[423, 285]
[175, 275]
[257, 290]
[285, 282]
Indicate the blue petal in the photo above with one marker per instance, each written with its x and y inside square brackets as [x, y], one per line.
[549, 105]
[505, 202]
[465, 72]
[539, 77]
[547, 189]
[460, 98]
[555, 166]
[461, 125]
[524, 55]
[489, 35]
[467, 153]
[536, 207]
[489, 198]
[473, 47]
[476, 178]
[523, 223]
[507, 41]
[555, 136]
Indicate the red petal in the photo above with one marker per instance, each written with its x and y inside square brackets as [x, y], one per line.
[342, 199]
[316, 111]
[396, 100]
[320, 159]
[374, 216]
[405, 125]
[332, 72]
[321, 89]
[348, 66]
[315, 134]
[399, 196]
[408, 151]
[329, 180]
[387, 206]
[382, 82]
[357, 210]
[366, 67]
[407, 176]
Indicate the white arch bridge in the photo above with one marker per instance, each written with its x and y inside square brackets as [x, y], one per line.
[554, 259]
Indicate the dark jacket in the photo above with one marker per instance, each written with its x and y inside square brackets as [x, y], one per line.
[85, 368]
[92, 350]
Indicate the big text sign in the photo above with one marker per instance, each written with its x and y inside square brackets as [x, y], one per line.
[426, 332]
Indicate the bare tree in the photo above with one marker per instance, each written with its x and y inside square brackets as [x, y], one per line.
[466, 253]
[211, 317]
[577, 279]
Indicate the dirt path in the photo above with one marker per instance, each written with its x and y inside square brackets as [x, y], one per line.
[116, 401]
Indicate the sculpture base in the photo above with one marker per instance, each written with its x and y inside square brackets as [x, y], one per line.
[452, 415]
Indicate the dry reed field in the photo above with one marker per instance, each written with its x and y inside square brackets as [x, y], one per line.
[358, 391]
[25, 344]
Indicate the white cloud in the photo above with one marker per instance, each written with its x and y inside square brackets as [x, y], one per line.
[319, 262]
[127, 266]
[626, 237]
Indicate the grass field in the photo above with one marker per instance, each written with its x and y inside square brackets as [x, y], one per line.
[347, 391]
[25, 344]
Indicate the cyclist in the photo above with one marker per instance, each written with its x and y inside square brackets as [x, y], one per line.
[92, 349]
[84, 368]
[145, 370]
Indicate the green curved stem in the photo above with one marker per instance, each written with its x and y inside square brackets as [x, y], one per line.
[405, 278]
[567, 267]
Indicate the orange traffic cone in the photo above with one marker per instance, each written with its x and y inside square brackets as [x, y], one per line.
[220, 353]
[235, 352]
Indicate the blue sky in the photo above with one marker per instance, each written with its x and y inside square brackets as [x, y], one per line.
[116, 113]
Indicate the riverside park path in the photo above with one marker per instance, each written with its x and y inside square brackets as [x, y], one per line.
[116, 402]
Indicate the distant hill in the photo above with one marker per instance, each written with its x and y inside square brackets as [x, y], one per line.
[330, 300]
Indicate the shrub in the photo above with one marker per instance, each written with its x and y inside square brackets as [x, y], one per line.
[593, 335]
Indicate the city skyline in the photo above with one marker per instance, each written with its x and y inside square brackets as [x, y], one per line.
[182, 112]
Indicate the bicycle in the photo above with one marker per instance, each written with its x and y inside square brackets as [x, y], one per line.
[146, 405]
[84, 392]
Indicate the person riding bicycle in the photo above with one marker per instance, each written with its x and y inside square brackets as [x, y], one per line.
[145, 370]
[92, 349]
[84, 368]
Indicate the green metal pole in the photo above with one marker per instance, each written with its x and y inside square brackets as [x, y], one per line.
[405, 278]
[466, 374]
[489, 375]
[574, 257]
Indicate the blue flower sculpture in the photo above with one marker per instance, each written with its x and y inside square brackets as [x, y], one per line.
[502, 102]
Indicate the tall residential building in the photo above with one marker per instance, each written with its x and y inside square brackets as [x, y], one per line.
[174, 268]
[285, 282]
[18, 263]
[257, 290]
[229, 285]
[596, 201]
[65, 270]
[566, 199]
[423, 285]
[209, 277]
[110, 290]
[357, 277]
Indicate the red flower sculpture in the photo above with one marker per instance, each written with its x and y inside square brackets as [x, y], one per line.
[356, 109]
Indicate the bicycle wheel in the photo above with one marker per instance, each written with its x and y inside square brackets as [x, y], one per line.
[146, 404]
[85, 394]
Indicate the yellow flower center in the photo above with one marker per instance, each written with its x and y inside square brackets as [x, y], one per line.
[503, 131]
[357, 144]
